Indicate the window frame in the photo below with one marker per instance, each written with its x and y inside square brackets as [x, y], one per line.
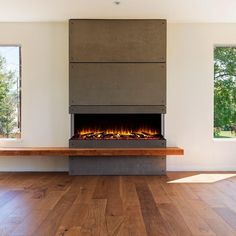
[19, 139]
[226, 45]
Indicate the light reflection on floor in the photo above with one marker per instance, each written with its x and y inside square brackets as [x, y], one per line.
[202, 178]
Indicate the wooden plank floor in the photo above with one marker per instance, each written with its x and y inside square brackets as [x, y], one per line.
[51, 204]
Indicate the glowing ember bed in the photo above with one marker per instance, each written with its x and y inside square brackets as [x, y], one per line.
[117, 130]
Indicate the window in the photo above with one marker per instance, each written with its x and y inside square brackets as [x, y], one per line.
[225, 92]
[10, 92]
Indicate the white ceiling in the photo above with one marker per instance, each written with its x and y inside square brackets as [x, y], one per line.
[172, 10]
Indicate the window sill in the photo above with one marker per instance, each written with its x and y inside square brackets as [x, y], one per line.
[10, 142]
[224, 139]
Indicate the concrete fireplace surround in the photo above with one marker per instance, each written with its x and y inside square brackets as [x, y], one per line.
[117, 66]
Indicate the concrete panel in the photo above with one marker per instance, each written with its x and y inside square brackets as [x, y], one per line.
[117, 109]
[117, 165]
[117, 40]
[73, 143]
[118, 84]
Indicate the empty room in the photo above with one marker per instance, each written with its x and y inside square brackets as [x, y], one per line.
[117, 118]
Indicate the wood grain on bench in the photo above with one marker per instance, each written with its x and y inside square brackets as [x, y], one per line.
[64, 151]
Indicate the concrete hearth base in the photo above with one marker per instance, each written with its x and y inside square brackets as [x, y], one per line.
[117, 165]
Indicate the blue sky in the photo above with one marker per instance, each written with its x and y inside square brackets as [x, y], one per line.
[11, 54]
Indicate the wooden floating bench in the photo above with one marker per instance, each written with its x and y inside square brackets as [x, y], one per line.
[98, 152]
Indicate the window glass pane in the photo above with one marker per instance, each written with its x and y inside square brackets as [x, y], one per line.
[10, 84]
[225, 92]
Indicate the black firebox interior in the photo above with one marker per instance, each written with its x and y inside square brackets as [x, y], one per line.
[117, 126]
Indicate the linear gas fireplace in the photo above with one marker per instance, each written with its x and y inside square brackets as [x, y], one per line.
[117, 130]
[117, 93]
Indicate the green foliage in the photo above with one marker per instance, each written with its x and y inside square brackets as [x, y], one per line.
[224, 88]
[8, 100]
[217, 131]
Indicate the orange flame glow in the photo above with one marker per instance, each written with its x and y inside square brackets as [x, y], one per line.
[118, 133]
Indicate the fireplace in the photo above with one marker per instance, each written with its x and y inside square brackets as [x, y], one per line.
[117, 130]
[117, 93]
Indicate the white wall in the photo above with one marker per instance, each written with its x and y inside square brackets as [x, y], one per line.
[45, 119]
[189, 121]
[190, 97]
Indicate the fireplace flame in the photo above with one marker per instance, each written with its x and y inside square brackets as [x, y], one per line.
[118, 133]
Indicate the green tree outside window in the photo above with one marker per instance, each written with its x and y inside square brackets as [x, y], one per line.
[225, 92]
[9, 93]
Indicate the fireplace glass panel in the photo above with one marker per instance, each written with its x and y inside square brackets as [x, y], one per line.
[117, 126]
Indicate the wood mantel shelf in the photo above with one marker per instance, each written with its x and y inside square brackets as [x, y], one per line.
[65, 151]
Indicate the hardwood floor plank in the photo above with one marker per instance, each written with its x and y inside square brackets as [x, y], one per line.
[7, 209]
[133, 223]
[74, 231]
[30, 223]
[114, 202]
[9, 217]
[214, 197]
[101, 189]
[52, 221]
[216, 223]
[154, 223]
[94, 223]
[116, 225]
[228, 215]
[115, 218]
[227, 187]
[21, 206]
[171, 214]
[128, 191]
[158, 192]
[35, 204]
[195, 222]
[76, 215]
[87, 190]
[8, 196]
